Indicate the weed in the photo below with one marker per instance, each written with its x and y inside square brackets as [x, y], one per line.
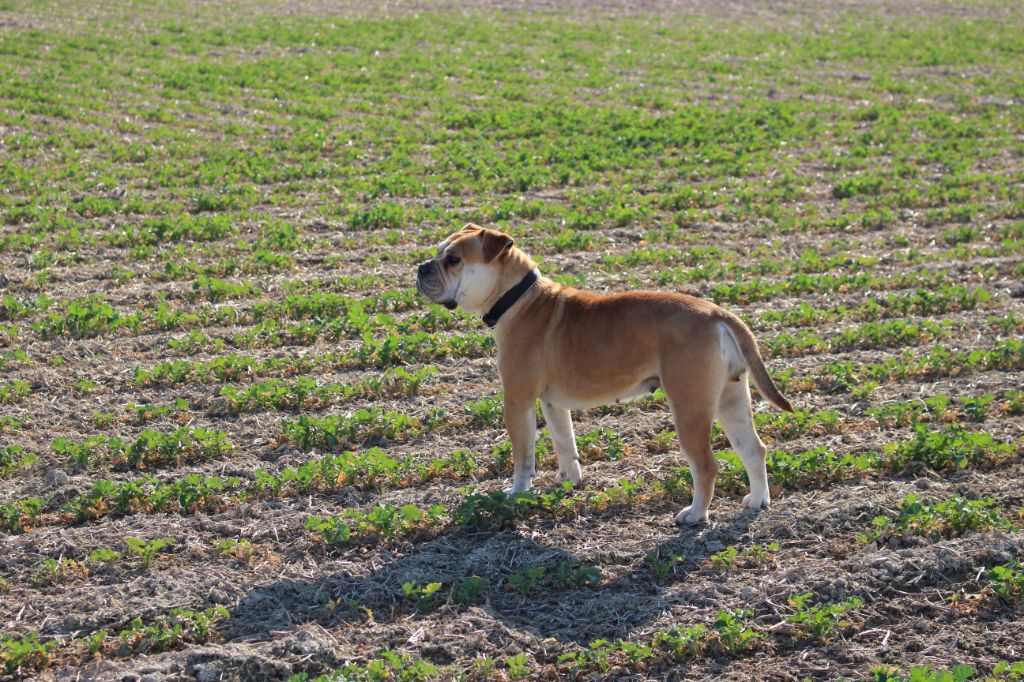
[819, 620]
[147, 549]
[94, 642]
[383, 521]
[525, 579]
[949, 449]
[59, 571]
[958, 673]
[951, 518]
[361, 427]
[754, 555]
[242, 550]
[25, 653]
[104, 555]
[468, 591]
[1006, 582]
[20, 515]
[567, 575]
[14, 458]
[421, 595]
[13, 391]
[166, 632]
[662, 568]
[734, 636]
[387, 666]
[486, 412]
[518, 666]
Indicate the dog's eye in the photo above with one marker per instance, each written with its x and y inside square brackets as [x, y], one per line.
[451, 259]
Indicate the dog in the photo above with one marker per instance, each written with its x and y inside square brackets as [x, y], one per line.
[575, 350]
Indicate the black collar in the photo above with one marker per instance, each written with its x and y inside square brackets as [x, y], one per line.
[510, 297]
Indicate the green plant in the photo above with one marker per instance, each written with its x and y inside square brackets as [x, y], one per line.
[468, 591]
[86, 386]
[518, 666]
[493, 510]
[951, 448]
[733, 633]
[103, 420]
[19, 515]
[1010, 671]
[383, 520]
[104, 555]
[13, 457]
[819, 620]
[567, 575]
[421, 595]
[167, 631]
[332, 530]
[94, 642]
[14, 391]
[1006, 582]
[147, 549]
[524, 580]
[486, 412]
[863, 392]
[975, 406]
[25, 653]
[387, 666]
[360, 428]
[958, 673]
[243, 550]
[662, 568]
[682, 643]
[752, 556]
[57, 571]
[950, 518]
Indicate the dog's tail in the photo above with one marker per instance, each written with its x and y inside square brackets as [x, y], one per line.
[744, 338]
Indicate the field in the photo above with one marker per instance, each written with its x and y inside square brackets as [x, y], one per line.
[236, 444]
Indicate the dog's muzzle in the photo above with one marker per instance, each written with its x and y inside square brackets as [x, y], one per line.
[430, 283]
[426, 284]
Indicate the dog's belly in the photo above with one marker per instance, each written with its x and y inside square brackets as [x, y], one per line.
[574, 398]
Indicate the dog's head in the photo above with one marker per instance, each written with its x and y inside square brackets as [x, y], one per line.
[467, 270]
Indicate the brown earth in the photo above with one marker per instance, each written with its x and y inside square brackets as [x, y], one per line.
[299, 606]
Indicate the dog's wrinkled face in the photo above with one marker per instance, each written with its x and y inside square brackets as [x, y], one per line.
[465, 272]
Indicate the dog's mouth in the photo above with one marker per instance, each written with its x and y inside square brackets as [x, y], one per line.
[429, 288]
[425, 288]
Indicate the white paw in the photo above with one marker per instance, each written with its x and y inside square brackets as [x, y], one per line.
[574, 477]
[757, 501]
[691, 515]
[517, 489]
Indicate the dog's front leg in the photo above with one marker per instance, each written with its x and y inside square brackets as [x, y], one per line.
[521, 422]
[559, 421]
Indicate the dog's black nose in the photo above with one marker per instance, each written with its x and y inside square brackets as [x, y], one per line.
[424, 268]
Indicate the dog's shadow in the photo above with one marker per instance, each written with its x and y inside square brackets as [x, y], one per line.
[523, 583]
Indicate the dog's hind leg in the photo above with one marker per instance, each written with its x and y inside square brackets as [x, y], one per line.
[559, 421]
[694, 431]
[521, 422]
[738, 423]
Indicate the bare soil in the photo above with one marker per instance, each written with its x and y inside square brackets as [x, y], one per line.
[298, 605]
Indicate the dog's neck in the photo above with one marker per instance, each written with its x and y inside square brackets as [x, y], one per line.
[512, 287]
[510, 298]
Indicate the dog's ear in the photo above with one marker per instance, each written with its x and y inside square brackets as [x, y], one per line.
[495, 244]
[471, 227]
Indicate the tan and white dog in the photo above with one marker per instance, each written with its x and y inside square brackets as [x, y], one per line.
[574, 350]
